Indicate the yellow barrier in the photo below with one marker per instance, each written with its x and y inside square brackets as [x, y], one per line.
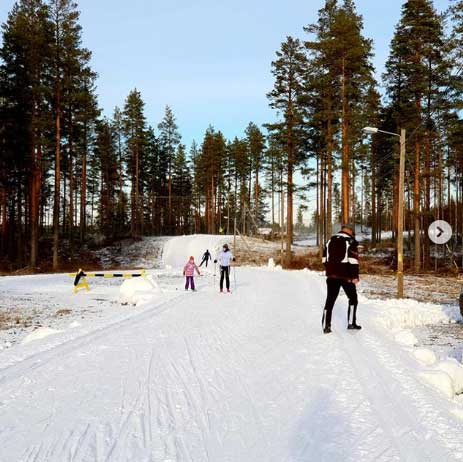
[80, 278]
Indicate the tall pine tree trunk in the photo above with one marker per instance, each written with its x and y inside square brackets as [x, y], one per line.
[71, 192]
[56, 199]
[427, 199]
[3, 214]
[345, 152]
[289, 208]
[416, 207]
[35, 191]
[329, 185]
[83, 188]
[137, 192]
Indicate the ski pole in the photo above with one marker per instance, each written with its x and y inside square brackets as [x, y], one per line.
[215, 269]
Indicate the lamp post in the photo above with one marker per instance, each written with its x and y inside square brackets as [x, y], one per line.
[400, 207]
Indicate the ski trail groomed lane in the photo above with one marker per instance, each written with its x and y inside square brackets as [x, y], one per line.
[210, 377]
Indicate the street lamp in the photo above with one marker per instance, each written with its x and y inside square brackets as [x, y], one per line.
[400, 205]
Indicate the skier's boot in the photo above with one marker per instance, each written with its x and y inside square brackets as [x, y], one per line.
[228, 290]
[326, 321]
[352, 318]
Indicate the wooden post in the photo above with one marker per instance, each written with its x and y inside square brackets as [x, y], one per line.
[400, 218]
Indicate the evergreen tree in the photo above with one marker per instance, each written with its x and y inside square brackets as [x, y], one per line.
[135, 134]
[289, 70]
[25, 56]
[106, 155]
[256, 146]
[343, 58]
[181, 190]
[170, 139]
[68, 58]
[415, 74]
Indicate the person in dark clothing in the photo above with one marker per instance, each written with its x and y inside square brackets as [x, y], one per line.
[225, 258]
[206, 258]
[340, 257]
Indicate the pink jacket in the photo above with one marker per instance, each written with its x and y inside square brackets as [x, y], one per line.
[190, 268]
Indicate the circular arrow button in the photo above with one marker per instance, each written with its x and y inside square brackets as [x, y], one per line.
[440, 232]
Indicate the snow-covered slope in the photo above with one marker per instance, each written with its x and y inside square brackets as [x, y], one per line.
[246, 377]
[178, 249]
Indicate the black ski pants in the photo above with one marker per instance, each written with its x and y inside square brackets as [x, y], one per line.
[204, 260]
[225, 273]
[333, 286]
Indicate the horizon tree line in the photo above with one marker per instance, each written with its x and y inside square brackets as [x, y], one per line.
[69, 174]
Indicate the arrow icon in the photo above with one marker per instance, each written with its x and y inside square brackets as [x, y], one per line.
[440, 232]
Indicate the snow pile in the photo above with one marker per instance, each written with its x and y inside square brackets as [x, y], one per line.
[406, 314]
[136, 291]
[405, 337]
[272, 266]
[39, 333]
[446, 376]
[425, 356]
[440, 380]
[455, 371]
[178, 249]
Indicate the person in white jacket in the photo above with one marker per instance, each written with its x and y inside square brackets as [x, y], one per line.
[225, 258]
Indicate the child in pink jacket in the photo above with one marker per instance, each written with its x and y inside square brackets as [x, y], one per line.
[189, 271]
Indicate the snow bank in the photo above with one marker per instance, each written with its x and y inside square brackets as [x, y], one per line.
[406, 337]
[425, 356]
[39, 333]
[455, 371]
[406, 314]
[440, 380]
[178, 249]
[139, 290]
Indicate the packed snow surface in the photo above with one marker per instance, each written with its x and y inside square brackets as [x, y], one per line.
[209, 377]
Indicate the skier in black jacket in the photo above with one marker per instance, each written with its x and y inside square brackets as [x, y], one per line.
[206, 258]
[340, 257]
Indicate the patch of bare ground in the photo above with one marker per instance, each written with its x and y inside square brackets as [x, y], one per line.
[63, 312]
[424, 287]
[15, 319]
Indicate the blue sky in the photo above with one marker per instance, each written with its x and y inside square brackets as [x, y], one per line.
[208, 59]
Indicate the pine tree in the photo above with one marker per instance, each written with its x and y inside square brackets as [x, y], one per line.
[181, 190]
[414, 76]
[106, 155]
[25, 56]
[256, 145]
[68, 57]
[135, 134]
[289, 70]
[170, 139]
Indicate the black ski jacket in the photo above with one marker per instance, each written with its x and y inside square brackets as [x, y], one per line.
[340, 257]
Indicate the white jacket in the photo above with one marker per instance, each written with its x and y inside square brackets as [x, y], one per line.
[225, 258]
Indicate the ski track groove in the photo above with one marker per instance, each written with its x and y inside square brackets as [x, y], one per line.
[246, 379]
[38, 360]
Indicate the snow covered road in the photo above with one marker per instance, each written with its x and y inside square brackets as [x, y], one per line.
[246, 377]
